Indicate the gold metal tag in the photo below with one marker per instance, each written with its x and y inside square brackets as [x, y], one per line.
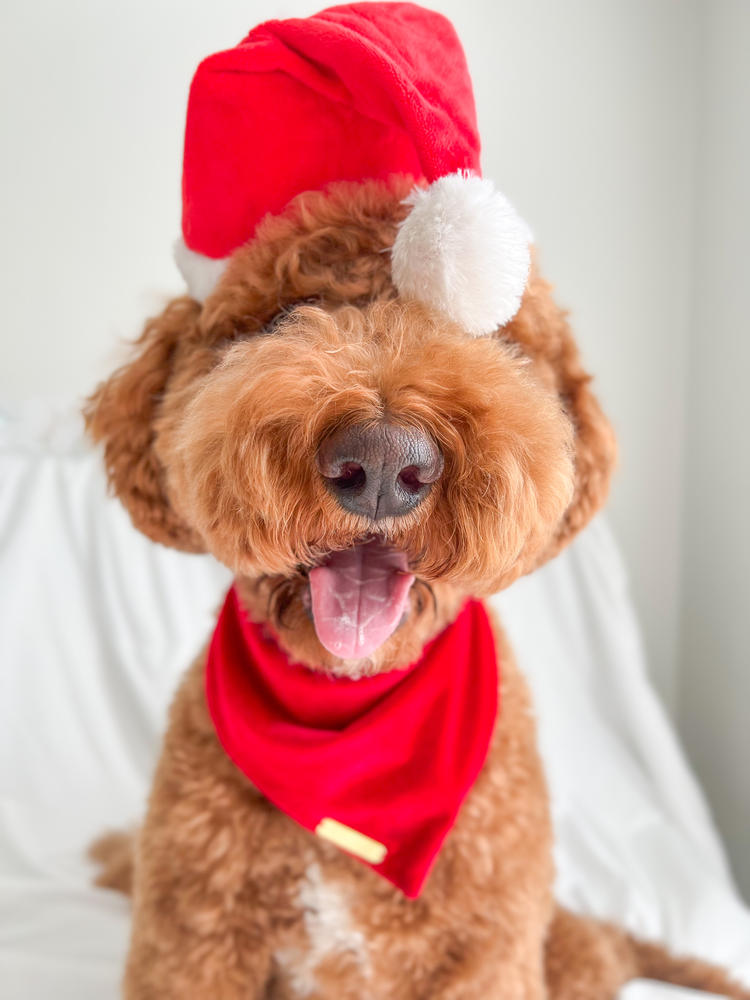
[351, 840]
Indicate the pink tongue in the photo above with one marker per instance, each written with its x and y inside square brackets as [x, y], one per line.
[358, 598]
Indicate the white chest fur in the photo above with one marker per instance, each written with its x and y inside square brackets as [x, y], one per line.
[330, 931]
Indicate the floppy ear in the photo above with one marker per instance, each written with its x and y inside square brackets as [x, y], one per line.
[123, 414]
[541, 329]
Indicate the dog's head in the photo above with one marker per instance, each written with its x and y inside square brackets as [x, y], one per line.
[360, 462]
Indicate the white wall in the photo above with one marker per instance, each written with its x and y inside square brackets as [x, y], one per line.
[589, 113]
[715, 650]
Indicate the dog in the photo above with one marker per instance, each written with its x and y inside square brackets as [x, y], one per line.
[220, 417]
[370, 470]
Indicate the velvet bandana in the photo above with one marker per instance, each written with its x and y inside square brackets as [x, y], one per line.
[378, 766]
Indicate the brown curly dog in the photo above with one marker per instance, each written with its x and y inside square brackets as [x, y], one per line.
[213, 436]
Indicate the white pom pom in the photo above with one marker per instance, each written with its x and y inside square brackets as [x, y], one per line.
[464, 250]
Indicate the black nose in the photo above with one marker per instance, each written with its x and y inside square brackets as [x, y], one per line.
[379, 470]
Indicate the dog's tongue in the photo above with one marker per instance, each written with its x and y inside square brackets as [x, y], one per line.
[358, 598]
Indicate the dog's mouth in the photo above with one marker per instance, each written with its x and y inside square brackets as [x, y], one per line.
[358, 598]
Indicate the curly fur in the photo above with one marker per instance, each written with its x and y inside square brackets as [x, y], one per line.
[210, 433]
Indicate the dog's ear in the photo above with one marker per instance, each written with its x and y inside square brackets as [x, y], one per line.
[541, 329]
[123, 414]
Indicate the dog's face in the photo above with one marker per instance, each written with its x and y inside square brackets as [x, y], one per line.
[342, 455]
[358, 461]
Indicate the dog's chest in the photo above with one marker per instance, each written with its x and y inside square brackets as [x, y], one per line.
[330, 941]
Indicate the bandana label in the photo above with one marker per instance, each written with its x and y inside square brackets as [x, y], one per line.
[377, 766]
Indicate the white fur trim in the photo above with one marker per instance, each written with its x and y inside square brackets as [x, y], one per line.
[464, 250]
[200, 272]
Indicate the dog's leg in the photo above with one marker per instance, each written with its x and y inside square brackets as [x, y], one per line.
[516, 977]
[204, 908]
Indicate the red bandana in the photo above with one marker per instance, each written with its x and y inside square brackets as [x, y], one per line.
[379, 766]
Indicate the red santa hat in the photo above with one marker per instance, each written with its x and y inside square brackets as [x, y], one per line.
[357, 92]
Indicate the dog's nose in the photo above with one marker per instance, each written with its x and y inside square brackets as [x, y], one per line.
[379, 470]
